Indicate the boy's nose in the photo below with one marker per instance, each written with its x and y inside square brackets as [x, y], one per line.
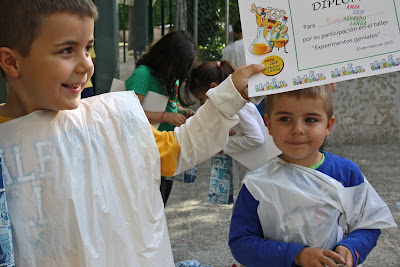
[298, 129]
[85, 64]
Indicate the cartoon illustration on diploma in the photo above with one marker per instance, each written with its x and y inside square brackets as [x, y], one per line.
[271, 33]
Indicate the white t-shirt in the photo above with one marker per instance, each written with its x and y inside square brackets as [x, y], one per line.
[248, 132]
[235, 53]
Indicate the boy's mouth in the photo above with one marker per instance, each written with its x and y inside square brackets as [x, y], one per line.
[297, 143]
[73, 87]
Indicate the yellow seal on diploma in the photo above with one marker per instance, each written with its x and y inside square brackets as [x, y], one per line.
[273, 65]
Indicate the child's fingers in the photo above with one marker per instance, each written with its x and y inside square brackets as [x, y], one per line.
[333, 87]
[334, 258]
[241, 76]
[179, 119]
[190, 113]
[251, 69]
[345, 253]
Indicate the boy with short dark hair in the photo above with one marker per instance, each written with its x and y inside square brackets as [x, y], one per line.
[82, 177]
[306, 207]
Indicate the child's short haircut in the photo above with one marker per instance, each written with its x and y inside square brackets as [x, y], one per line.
[20, 20]
[324, 92]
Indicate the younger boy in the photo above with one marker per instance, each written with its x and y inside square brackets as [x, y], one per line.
[307, 207]
[82, 177]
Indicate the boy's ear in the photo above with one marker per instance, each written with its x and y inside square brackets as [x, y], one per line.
[8, 62]
[213, 84]
[267, 123]
[329, 127]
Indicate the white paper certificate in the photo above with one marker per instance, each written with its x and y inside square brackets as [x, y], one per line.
[313, 42]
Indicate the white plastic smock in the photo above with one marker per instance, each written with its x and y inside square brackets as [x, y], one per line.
[304, 206]
[83, 185]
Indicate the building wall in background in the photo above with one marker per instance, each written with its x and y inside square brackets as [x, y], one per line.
[367, 111]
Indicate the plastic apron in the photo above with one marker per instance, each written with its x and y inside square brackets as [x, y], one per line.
[6, 247]
[305, 206]
[83, 186]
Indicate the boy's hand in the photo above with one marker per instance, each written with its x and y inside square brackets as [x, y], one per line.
[187, 112]
[190, 113]
[315, 257]
[175, 119]
[345, 253]
[240, 77]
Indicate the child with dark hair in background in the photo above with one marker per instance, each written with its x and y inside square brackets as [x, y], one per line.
[306, 207]
[163, 70]
[246, 135]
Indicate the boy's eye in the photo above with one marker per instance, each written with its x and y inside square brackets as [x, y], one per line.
[87, 48]
[66, 51]
[311, 120]
[284, 119]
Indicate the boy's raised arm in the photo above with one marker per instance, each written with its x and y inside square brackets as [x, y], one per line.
[206, 133]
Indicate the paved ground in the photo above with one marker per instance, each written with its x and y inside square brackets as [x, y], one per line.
[199, 230]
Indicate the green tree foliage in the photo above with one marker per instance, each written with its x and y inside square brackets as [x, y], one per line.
[211, 22]
[211, 26]
[123, 17]
[169, 5]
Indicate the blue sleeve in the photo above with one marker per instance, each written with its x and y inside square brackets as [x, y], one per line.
[246, 239]
[360, 243]
[342, 170]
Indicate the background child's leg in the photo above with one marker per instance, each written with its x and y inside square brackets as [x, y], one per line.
[165, 188]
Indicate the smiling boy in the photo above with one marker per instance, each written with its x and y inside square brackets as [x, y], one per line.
[82, 177]
[307, 207]
[55, 67]
[300, 126]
